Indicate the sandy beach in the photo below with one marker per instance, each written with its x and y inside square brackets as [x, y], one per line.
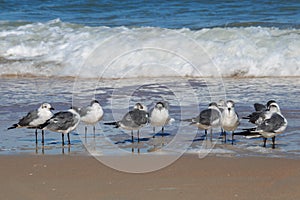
[84, 177]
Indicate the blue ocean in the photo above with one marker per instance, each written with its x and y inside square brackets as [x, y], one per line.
[188, 53]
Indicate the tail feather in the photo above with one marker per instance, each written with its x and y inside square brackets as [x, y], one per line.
[110, 123]
[249, 129]
[247, 117]
[247, 132]
[187, 120]
[13, 126]
[116, 124]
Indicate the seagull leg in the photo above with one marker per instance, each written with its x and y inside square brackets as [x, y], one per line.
[94, 130]
[273, 142]
[224, 136]
[232, 137]
[43, 138]
[85, 130]
[211, 137]
[132, 136]
[153, 131]
[138, 135]
[36, 148]
[69, 142]
[205, 132]
[265, 140]
[43, 149]
[36, 133]
[162, 131]
[63, 139]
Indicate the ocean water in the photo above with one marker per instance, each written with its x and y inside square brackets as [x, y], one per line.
[186, 97]
[188, 53]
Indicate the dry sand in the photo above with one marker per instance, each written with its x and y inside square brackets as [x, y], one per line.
[83, 177]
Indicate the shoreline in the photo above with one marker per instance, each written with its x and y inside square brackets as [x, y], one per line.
[84, 177]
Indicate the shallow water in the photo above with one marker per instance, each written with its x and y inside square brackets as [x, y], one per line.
[185, 96]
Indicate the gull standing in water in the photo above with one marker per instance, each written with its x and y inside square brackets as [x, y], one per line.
[62, 122]
[269, 125]
[35, 118]
[208, 119]
[159, 116]
[133, 120]
[91, 114]
[230, 119]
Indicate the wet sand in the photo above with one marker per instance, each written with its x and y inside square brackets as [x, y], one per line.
[84, 177]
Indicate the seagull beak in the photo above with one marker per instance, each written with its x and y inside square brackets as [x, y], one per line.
[52, 108]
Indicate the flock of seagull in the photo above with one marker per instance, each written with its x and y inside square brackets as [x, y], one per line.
[268, 120]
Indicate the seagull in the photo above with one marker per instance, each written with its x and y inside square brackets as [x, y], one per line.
[208, 119]
[35, 118]
[270, 124]
[133, 120]
[259, 109]
[62, 122]
[221, 105]
[159, 116]
[91, 114]
[230, 119]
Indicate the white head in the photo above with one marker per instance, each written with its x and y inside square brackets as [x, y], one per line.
[274, 107]
[75, 111]
[229, 105]
[94, 102]
[160, 105]
[140, 106]
[213, 105]
[221, 103]
[46, 106]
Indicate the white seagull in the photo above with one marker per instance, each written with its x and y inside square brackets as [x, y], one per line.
[159, 116]
[91, 114]
[63, 122]
[230, 119]
[269, 125]
[35, 118]
[133, 120]
[208, 119]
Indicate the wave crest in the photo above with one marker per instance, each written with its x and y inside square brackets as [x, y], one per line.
[61, 49]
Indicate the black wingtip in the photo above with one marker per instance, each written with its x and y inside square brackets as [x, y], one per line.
[246, 117]
[115, 124]
[111, 123]
[246, 132]
[13, 126]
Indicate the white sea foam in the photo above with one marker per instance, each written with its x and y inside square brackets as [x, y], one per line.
[56, 48]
